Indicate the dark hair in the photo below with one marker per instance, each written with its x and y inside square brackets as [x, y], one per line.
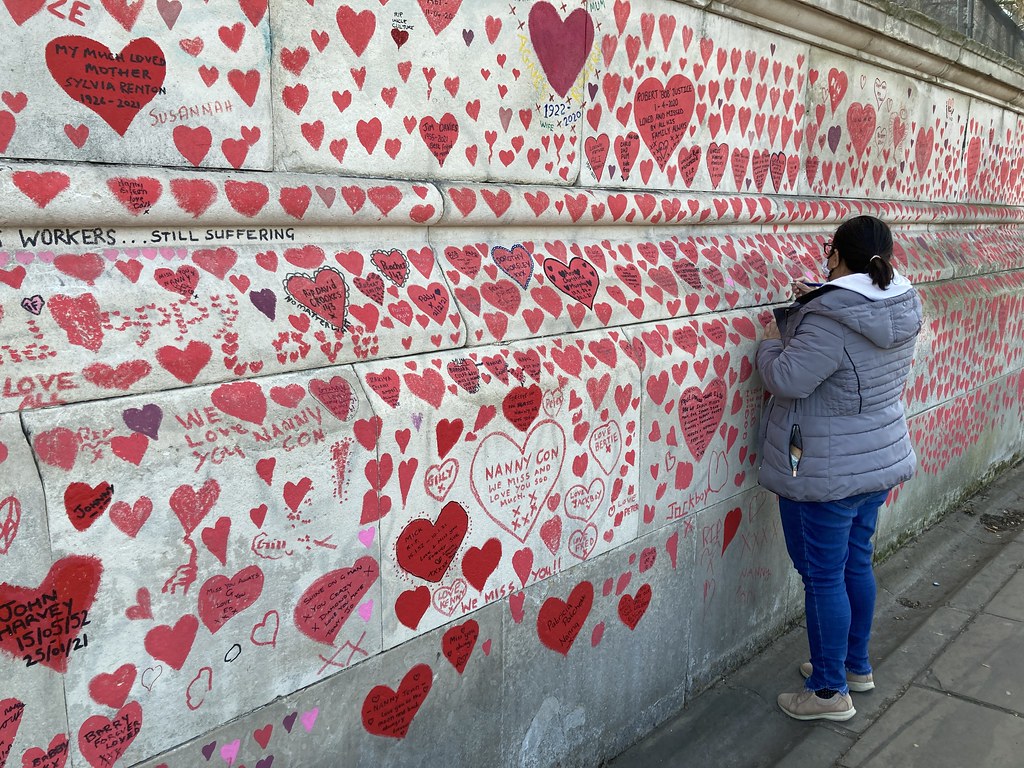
[859, 240]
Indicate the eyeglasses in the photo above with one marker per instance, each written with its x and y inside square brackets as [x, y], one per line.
[828, 247]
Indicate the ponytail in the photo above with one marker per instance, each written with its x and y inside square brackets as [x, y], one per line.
[880, 270]
[864, 244]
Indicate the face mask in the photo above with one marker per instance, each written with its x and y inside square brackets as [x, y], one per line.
[825, 271]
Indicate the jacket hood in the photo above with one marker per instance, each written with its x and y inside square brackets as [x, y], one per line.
[887, 318]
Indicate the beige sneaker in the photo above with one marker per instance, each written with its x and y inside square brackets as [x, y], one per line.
[857, 683]
[806, 705]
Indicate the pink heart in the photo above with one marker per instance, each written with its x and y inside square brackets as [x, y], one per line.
[309, 718]
[366, 610]
[230, 751]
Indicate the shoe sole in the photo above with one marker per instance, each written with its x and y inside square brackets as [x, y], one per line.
[855, 687]
[835, 716]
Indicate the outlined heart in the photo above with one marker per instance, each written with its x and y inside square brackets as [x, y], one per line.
[323, 295]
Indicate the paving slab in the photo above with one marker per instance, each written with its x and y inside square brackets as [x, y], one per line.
[1009, 603]
[991, 579]
[927, 728]
[739, 710]
[899, 669]
[819, 748]
[984, 664]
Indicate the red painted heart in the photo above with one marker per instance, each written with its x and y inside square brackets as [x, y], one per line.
[116, 86]
[389, 712]
[62, 600]
[328, 602]
[324, 295]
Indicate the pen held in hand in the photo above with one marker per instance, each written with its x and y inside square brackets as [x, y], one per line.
[796, 448]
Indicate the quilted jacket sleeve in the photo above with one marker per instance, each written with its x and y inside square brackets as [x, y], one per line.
[795, 368]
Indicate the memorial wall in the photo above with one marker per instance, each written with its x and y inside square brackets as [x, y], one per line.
[376, 376]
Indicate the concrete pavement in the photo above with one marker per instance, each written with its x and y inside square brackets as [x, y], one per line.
[948, 650]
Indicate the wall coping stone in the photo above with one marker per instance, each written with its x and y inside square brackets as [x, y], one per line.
[65, 196]
[891, 36]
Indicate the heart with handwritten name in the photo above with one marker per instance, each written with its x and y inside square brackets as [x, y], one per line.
[116, 86]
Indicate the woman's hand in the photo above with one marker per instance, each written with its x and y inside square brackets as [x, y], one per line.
[799, 289]
[771, 331]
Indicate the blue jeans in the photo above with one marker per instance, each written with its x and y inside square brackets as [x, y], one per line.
[830, 545]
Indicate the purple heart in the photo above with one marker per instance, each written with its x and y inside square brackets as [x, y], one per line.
[592, 90]
[467, 35]
[33, 304]
[169, 10]
[266, 762]
[208, 749]
[265, 301]
[834, 134]
[289, 721]
[145, 420]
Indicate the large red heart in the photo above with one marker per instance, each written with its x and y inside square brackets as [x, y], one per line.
[502, 468]
[11, 711]
[559, 622]
[21, 11]
[122, 377]
[80, 318]
[336, 396]
[426, 549]
[458, 643]
[221, 598]
[439, 13]
[185, 364]
[191, 507]
[62, 602]
[54, 756]
[57, 447]
[328, 602]
[116, 86]
[700, 413]
[325, 295]
[578, 279]
[662, 113]
[521, 406]
[242, 399]
[172, 645]
[562, 46]
[390, 713]
[103, 741]
[632, 609]
[84, 266]
[111, 690]
[479, 563]
[84, 503]
[440, 135]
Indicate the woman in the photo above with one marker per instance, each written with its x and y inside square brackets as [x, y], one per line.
[835, 443]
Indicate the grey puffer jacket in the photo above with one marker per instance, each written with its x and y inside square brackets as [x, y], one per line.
[838, 372]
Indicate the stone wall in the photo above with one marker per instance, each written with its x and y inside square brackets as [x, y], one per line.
[377, 376]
